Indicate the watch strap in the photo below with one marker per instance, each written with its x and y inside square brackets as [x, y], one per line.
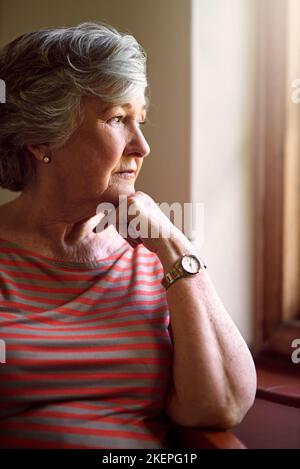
[177, 272]
[174, 274]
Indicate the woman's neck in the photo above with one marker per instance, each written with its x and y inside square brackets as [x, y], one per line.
[31, 226]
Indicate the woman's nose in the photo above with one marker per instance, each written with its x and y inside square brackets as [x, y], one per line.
[137, 144]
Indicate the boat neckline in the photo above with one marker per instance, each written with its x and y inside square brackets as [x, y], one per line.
[94, 263]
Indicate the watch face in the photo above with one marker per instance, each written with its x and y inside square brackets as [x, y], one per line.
[190, 264]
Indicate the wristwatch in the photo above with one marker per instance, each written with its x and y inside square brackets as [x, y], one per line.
[188, 265]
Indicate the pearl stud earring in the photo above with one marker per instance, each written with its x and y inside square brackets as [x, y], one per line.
[46, 159]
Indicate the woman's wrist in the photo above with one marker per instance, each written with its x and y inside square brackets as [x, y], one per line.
[172, 248]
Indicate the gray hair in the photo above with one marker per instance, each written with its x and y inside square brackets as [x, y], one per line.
[47, 73]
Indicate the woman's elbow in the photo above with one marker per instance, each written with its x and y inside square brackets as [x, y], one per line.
[239, 402]
[224, 411]
[236, 410]
[233, 416]
[218, 417]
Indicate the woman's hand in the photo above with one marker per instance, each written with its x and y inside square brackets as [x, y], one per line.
[140, 220]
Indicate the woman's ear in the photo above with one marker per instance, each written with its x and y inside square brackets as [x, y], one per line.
[38, 151]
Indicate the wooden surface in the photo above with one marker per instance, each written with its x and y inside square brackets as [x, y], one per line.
[279, 382]
[196, 438]
[270, 425]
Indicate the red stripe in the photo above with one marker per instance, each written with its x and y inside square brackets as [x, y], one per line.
[126, 401]
[111, 279]
[75, 290]
[14, 304]
[29, 426]
[80, 376]
[78, 392]
[31, 308]
[84, 327]
[89, 348]
[104, 419]
[9, 316]
[115, 400]
[73, 279]
[127, 334]
[88, 361]
[112, 312]
[106, 314]
[86, 300]
[140, 321]
[88, 416]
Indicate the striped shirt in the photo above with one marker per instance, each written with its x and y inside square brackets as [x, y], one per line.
[88, 352]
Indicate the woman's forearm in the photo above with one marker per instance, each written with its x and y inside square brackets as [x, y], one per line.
[214, 379]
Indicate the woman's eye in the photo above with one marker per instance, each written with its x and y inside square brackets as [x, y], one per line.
[115, 120]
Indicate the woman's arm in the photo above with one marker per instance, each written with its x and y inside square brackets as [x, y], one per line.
[214, 378]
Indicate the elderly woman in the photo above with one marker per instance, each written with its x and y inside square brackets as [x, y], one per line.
[108, 338]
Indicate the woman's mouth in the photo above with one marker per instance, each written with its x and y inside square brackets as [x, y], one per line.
[125, 174]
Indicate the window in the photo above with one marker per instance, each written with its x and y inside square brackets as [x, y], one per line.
[291, 183]
[277, 178]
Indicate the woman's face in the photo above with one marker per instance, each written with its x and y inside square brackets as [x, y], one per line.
[108, 141]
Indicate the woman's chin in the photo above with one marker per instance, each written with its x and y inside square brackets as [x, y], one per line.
[115, 195]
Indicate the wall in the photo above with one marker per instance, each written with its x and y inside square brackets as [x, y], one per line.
[200, 142]
[222, 90]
